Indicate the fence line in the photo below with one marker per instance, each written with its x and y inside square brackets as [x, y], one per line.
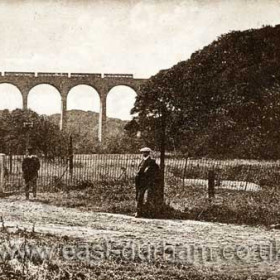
[55, 174]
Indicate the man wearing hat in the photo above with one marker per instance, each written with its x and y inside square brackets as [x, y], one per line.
[30, 168]
[145, 180]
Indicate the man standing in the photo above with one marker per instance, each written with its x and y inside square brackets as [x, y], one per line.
[30, 168]
[145, 180]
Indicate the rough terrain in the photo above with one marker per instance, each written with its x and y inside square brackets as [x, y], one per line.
[233, 248]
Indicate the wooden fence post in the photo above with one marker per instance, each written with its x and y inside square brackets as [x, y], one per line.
[211, 184]
[71, 159]
[11, 163]
[2, 172]
[185, 170]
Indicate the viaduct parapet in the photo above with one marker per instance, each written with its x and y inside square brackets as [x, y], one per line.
[64, 82]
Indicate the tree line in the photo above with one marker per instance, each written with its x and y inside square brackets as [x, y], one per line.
[48, 140]
[223, 102]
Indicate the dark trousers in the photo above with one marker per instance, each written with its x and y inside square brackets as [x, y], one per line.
[31, 184]
[140, 195]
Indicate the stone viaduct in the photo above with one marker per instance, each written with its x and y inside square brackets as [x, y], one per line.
[64, 82]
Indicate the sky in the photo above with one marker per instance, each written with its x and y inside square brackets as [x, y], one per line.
[110, 36]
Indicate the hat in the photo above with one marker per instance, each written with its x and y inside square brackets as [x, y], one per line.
[145, 150]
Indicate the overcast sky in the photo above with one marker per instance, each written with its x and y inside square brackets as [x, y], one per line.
[137, 37]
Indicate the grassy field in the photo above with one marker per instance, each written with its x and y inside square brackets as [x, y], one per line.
[55, 174]
[247, 191]
[32, 267]
[229, 206]
[36, 241]
[184, 200]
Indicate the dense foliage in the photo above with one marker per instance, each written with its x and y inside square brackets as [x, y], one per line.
[223, 101]
[45, 137]
[83, 126]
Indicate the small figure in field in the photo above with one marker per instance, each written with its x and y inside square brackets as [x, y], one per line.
[146, 181]
[30, 168]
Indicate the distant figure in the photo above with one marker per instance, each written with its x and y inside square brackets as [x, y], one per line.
[145, 180]
[30, 168]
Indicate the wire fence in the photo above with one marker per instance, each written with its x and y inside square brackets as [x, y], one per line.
[55, 174]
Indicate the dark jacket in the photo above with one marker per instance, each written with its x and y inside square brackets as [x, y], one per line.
[147, 174]
[30, 167]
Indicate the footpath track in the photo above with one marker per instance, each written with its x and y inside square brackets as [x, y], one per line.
[215, 246]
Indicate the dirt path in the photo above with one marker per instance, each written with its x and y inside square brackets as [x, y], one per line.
[177, 236]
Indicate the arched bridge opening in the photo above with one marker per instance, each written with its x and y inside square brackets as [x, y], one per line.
[47, 93]
[10, 96]
[84, 101]
[120, 101]
[44, 99]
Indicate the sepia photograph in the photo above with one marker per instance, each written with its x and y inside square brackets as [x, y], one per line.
[140, 140]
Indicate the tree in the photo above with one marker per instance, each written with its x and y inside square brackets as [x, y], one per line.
[155, 107]
[45, 136]
[155, 118]
[222, 102]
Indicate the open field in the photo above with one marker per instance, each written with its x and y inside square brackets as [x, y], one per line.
[183, 202]
[247, 192]
[75, 216]
[55, 174]
[237, 252]
[92, 211]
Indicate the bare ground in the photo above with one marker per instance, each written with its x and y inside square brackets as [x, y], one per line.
[235, 249]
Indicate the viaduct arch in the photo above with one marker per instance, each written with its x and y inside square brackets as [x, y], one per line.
[64, 82]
